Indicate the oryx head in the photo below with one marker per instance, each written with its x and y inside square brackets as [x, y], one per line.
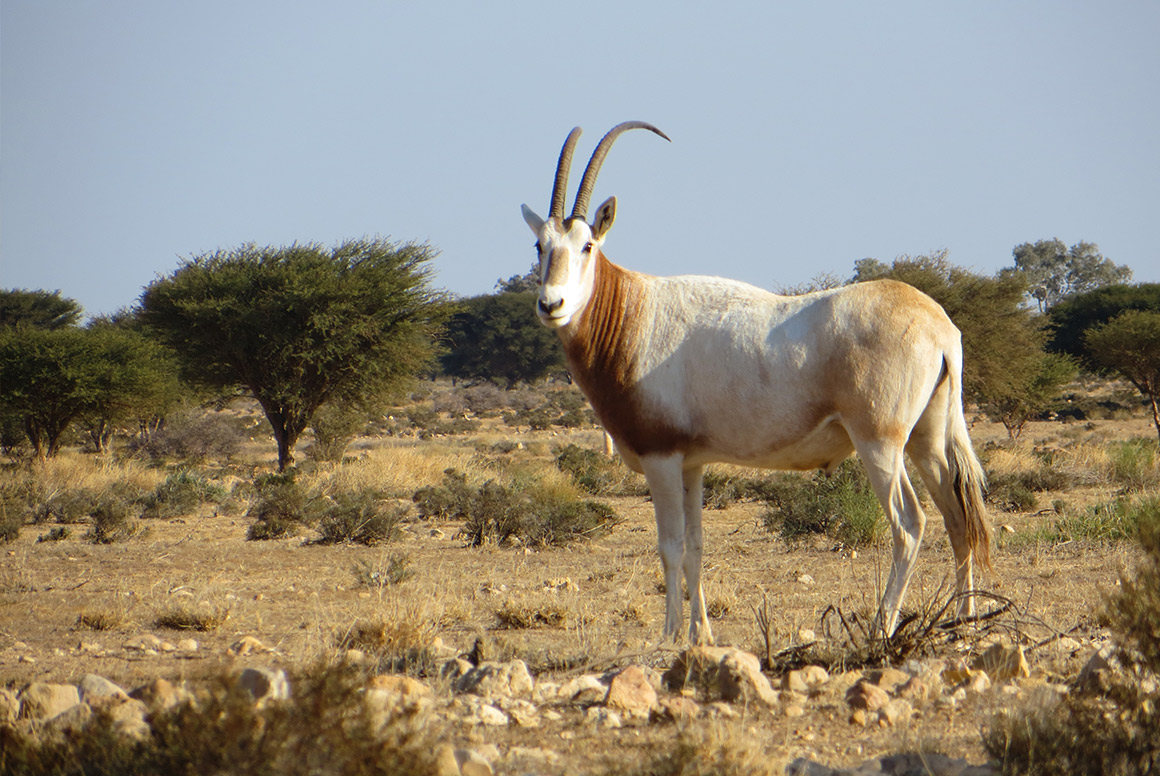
[568, 247]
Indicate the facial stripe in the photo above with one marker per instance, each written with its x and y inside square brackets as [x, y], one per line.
[557, 274]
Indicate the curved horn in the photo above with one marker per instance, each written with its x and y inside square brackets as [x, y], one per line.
[559, 190]
[584, 193]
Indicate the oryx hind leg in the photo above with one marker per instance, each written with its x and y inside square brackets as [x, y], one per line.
[887, 474]
[699, 630]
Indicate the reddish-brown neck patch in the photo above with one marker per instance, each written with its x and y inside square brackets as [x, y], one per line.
[603, 347]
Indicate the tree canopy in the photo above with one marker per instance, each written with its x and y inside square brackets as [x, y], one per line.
[1071, 318]
[43, 309]
[497, 337]
[1130, 345]
[299, 326]
[1055, 272]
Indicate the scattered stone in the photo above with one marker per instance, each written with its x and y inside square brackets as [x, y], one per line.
[677, 708]
[914, 690]
[805, 636]
[927, 763]
[488, 679]
[92, 686]
[265, 684]
[523, 713]
[740, 678]
[805, 680]
[143, 642]
[71, 720]
[188, 645]
[1003, 662]
[490, 715]
[160, 694]
[889, 679]
[247, 645]
[602, 717]
[630, 692]
[472, 763]
[979, 683]
[42, 701]
[587, 689]
[867, 696]
[895, 712]
[805, 579]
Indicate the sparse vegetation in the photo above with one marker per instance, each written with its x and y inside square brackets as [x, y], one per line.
[842, 507]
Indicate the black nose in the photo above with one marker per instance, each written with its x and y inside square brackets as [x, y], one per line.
[548, 309]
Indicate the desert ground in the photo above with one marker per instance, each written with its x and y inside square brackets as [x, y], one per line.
[187, 598]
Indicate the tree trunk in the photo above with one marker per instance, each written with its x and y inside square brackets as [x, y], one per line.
[1155, 414]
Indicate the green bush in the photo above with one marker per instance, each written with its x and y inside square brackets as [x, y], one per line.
[283, 507]
[113, 519]
[530, 513]
[180, 494]
[361, 518]
[595, 473]
[1133, 464]
[1114, 521]
[842, 506]
[448, 501]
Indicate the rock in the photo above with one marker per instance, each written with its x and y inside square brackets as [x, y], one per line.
[859, 717]
[523, 713]
[92, 686]
[143, 642]
[805, 680]
[630, 692]
[677, 708]
[490, 715]
[734, 673]
[160, 694]
[1103, 659]
[489, 679]
[265, 684]
[1003, 662]
[867, 696]
[128, 715]
[247, 645]
[472, 763]
[602, 717]
[405, 687]
[979, 683]
[585, 689]
[71, 720]
[914, 690]
[188, 645]
[740, 678]
[9, 705]
[895, 711]
[42, 701]
[889, 679]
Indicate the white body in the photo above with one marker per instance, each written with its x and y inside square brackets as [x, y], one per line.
[685, 371]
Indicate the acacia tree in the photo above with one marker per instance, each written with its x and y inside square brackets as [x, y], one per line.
[497, 337]
[1055, 272]
[300, 326]
[42, 309]
[1130, 344]
[1072, 318]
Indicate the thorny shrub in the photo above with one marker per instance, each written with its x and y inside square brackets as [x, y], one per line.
[1109, 724]
[180, 494]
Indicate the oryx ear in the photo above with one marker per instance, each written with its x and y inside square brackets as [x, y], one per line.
[533, 220]
[605, 215]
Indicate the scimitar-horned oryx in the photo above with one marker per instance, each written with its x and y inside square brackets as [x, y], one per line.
[684, 371]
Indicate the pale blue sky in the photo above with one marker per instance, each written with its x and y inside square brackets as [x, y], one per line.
[805, 135]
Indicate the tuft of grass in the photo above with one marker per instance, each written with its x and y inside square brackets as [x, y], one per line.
[395, 570]
[401, 641]
[113, 519]
[1115, 521]
[1134, 464]
[842, 506]
[101, 619]
[201, 619]
[523, 612]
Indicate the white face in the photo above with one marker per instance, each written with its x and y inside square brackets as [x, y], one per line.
[567, 266]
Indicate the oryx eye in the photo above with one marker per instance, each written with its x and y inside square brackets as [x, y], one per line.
[588, 247]
[539, 248]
